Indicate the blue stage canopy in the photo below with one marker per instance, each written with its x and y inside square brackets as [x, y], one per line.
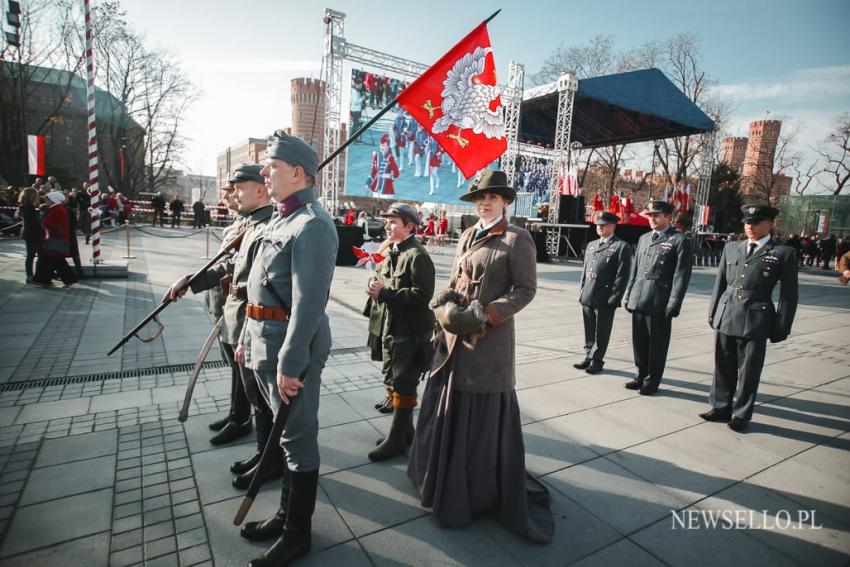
[625, 108]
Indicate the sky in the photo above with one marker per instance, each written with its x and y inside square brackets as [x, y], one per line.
[777, 58]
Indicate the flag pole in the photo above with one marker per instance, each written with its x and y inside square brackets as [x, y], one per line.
[360, 131]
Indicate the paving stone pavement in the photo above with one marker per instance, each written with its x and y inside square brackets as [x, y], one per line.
[95, 469]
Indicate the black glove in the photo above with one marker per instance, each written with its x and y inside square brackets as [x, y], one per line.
[613, 302]
[672, 310]
[626, 305]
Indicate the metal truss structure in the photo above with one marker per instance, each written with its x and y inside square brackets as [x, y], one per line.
[567, 87]
[512, 99]
[337, 50]
[332, 66]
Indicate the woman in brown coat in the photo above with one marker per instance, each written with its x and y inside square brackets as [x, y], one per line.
[468, 457]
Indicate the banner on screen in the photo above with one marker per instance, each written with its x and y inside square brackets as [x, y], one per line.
[395, 158]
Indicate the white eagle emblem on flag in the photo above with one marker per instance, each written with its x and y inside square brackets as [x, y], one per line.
[466, 100]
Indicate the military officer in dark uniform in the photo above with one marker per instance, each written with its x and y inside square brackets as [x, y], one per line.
[400, 322]
[743, 314]
[607, 262]
[659, 279]
[286, 339]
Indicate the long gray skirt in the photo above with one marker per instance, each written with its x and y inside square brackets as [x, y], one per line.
[468, 459]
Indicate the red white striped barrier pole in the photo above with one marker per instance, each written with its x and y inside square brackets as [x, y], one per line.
[93, 188]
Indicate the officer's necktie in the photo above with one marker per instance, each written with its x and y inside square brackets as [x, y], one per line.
[655, 236]
[753, 246]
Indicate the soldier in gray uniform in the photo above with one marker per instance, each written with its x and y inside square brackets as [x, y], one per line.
[255, 207]
[660, 274]
[607, 262]
[287, 337]
[214, 305]
[743, 314]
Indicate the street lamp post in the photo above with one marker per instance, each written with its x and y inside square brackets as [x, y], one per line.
[13, 38]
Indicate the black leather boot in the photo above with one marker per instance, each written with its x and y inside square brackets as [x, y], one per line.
[263, 422]
[240, 467]
[243, 481]
[219, 425]
[271, 527]
[231, 432]
[296, 538]
[396, 441]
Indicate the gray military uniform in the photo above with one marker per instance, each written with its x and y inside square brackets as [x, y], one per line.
[657, 285]
[238, 267]
[294, 267]
[603, 283]
[744, 316]
[213, 297]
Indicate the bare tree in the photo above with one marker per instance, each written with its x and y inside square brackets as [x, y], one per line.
[40, 49]
[153, 95]
[679, 57]
[141, 119]
[803, 172]
[590, 60]
[835, 152]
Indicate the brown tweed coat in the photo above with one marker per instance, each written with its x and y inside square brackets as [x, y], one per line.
[500, 271]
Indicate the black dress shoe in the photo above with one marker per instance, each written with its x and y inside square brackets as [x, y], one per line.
[716, 414]
[243, 481]
[583, 364]
[265, 530]
[231, 432]
[648, 389]
[737, 424]
[240, 467]
[388, 399]
[219, 425]
[595, 367]
[386, 406]
[635, 384]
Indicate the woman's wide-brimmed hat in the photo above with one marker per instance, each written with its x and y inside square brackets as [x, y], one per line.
[492, 181]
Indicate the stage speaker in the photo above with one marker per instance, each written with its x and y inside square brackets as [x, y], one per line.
[571, 210]
[349, 236]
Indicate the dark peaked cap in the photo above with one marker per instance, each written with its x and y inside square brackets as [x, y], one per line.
[294, 151]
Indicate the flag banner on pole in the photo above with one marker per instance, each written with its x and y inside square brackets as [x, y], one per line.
[457, 101]
[35, 155]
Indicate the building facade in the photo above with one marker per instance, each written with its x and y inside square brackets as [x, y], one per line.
[253, 150]
[56, 109]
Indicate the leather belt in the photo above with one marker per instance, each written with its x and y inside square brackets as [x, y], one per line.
[265, 313]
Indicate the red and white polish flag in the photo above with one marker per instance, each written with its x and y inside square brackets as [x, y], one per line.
[457, 101]
[35, 155]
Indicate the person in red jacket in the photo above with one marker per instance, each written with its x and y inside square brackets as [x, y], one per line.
[614, 204]
[56, 245]
[598, 204]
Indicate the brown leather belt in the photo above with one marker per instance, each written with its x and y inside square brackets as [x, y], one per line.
[265, 313]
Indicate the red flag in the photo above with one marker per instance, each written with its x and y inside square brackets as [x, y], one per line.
[457, 101]
[35, 154]
[121, 162]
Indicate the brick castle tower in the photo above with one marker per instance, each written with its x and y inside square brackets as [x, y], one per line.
[734, 152]
[308, 113]
[757, 173]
